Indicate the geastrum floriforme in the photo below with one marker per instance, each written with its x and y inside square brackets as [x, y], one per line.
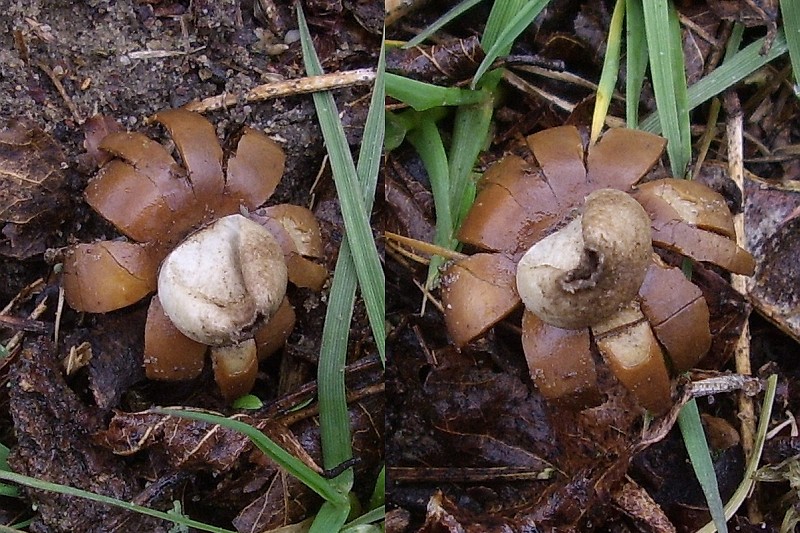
[195, 234]
[569, 233]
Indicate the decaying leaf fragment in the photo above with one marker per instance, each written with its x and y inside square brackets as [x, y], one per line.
[32, 199]
[440, 64]
[772, 227]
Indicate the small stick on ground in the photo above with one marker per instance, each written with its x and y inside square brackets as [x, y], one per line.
[63, 92]
[741, 283]
[34, 288]
[16, 340]
[311, 84]
[24, 324]
[424, 247]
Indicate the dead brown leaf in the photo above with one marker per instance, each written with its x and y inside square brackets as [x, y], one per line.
[284, 501]
[772, 227]
[183, 443]
[445, 516]
[637, 503]
[32, 198]
[453, 60]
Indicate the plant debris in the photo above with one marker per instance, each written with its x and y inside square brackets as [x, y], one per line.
[32, 189]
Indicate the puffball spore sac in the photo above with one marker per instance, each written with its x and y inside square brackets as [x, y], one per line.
[221, 280]
[591, 268]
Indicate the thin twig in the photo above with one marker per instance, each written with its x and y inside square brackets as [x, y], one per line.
[23, 324]
[35, 314]
[493, 474]
[312, 192]
[749, 385]
[35, 287]
[408, 254]
[741, 283]
[422, 246]
[310, 84]
[427, 297]
[708, 136]
[562, 76]
[60, 88]
[159, 54]
[529, 88]
[59, 311]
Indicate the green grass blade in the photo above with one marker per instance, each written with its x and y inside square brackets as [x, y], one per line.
[354, 212]
[396, 130]
[451, 175]
[330, 518]
[428, 143]
[790, 9]
[375, 515]
[695, 440]
[379, 493]
[681, 95]
[334, 419]
[520, 21]
[669, 80]
[4, 451]
[16, 527]
[85, 494]
[470, 134]
[284, 459]
[365, 528]
[370, 155]
[399, 123]
[734, 41]
[422, 96]
[9, 491]
[6, 490]
[502, 13]
[427, 140]
[448, 17]
[746, 486]
[610, 73]
[741, 65]
[635, 60]
[248, 401]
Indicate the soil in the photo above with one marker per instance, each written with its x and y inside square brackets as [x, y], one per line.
[472, 444]
[125, 60]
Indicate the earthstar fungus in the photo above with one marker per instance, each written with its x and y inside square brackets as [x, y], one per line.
[568, 232]
[592, 267]
[196, 235]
